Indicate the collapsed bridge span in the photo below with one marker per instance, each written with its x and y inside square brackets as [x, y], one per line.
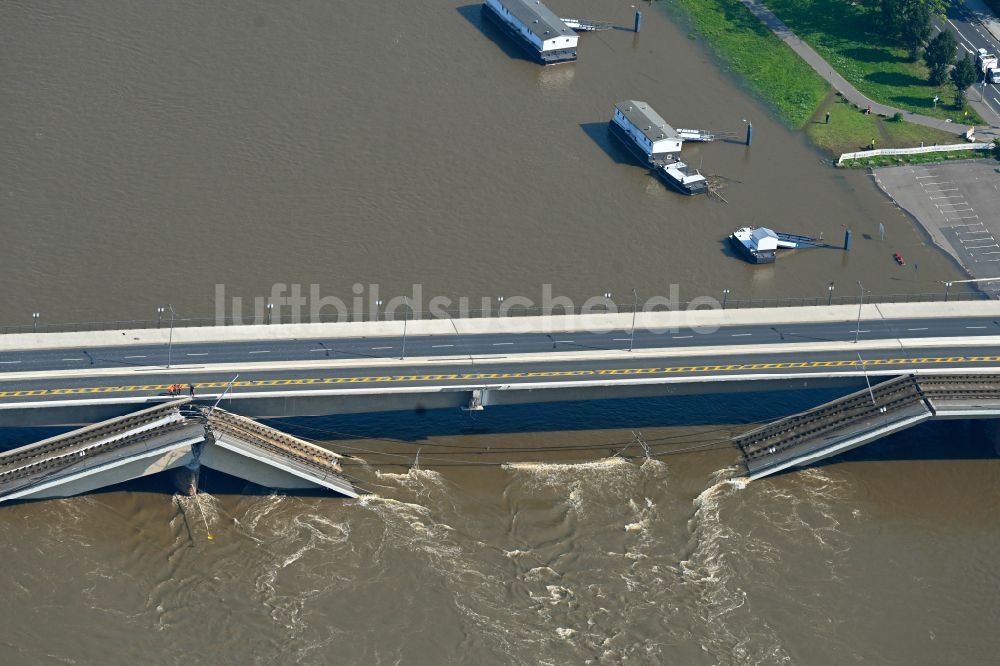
[173, 436]
[865, 416]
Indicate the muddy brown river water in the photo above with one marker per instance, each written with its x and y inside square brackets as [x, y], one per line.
[154, 150]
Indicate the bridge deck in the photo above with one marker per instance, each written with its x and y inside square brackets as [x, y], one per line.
[865, 416]
[298, 457]
[166, 437]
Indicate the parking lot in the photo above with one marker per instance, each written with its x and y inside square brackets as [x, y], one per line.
[959, 206]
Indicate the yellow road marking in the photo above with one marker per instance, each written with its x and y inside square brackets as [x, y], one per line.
[481, 376]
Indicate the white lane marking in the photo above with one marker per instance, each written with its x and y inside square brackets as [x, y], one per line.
[439, 346]
[967, 217]
[959, 32]
[381, 347]
[975, 327]
[9, 362]
[739, 335]
[73, 359]
[260, 351]
[930, 175]
[923, 328]
[620, 339]
[943, 182]
[980, 247]
[681, 337]
[989, 253]
[135, 356]
[500, 344]
[199, 354]
[564, 341]
[944, 189]
[854, 330]
[948, 196]
[318, 349]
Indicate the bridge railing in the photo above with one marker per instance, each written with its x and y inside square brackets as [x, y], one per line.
[512, 311]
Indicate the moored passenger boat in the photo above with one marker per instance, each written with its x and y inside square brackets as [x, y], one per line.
[678, 176]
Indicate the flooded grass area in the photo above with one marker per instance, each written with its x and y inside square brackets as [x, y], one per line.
[845, 35]
[771, 69]
[851, 129]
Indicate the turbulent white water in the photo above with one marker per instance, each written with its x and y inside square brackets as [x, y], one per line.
[602, 562]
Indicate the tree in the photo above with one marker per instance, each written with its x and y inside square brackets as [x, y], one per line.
[963, 76]
[915, 29]
[939, 55]
[907, 20]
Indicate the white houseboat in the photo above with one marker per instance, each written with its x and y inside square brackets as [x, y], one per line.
[760, 245]
[656, 145]
[535, 28]
[645, 133]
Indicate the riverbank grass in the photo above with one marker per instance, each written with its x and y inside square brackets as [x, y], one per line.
[772, 70]
[844, 34]
[851, 129]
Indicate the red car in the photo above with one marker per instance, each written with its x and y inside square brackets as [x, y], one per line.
[899, 258]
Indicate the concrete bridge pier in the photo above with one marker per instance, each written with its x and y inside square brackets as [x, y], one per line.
[186, 476]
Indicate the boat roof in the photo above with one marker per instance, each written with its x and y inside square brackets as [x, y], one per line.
[536, 17]
[649, 122]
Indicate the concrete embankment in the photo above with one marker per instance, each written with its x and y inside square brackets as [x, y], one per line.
[706, 319]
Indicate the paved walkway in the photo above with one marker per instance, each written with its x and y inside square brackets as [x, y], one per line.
[842, 85]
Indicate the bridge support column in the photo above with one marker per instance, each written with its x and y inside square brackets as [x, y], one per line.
[186, 478]
[477, 402]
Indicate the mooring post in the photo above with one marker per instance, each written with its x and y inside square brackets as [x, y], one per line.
[749, 133]
[638, 21]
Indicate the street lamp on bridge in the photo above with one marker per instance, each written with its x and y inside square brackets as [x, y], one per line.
[861, 300]
[170, 339]
[635, 307]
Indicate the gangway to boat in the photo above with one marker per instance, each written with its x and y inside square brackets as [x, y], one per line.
[586, 25]
[705, 135]
[697, 135]
[791, 241]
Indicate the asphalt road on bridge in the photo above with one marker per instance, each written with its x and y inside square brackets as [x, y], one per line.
[494, 345]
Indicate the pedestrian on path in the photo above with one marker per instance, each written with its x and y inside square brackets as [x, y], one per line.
[827, 117]
[191, 390]
[873, 143]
